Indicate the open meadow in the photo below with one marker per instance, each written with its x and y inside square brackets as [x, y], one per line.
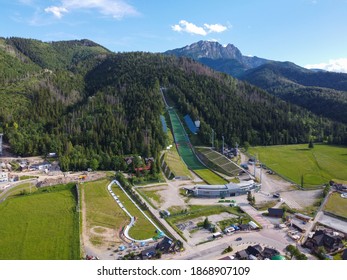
[102, 215]
[337, 205]
[298, 163]
[46, 225]
[174, 161]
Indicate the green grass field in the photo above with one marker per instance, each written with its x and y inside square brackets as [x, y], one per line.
[209, 177]
[317, 166]
[101, 209]
[24, 188]
[337, 205]
[174, 161]
[142, 229]
[40, 226]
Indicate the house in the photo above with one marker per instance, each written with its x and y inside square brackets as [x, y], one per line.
[255, 251]
[268, 253]
[276, 213]
[165, 245]
[242, 255]
[245, 227]
[41, 166]
[328, 241]
[148, 253]
[344, 255]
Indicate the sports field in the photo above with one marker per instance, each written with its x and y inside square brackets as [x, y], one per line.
[185, 150]
[315, 166]
[40, 226]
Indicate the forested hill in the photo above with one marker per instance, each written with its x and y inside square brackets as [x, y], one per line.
[92, 106]
[324, 93]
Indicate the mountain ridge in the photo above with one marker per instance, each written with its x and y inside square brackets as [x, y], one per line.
[207, 52]
[311, 89]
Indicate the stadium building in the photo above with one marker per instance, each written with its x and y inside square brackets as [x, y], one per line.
[223, 191]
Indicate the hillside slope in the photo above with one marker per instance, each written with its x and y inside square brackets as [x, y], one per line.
[324, 93]
[92, 106]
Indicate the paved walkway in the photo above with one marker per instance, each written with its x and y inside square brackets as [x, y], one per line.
[256, 215]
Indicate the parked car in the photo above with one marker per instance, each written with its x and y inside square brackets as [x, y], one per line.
[238, 239]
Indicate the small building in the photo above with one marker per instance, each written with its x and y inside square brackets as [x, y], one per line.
[245, 227]
[344, 255]
[242, 255]
[148, 253]
[255, 251]
[330, 242]
[41, 166]
[166, 245]
[3, 177]
[276, 212]
[303, 217]
[269, 253]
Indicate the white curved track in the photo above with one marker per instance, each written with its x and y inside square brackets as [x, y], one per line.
[132, 218]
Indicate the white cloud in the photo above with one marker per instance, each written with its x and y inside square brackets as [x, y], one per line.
[114, 8]
[218, 28]
[56, 11]
[188, 27]
[185, 26]
[334, 65]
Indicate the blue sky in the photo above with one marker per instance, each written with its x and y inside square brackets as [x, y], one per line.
[306, 32]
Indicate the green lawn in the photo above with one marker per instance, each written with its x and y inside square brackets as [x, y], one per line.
[317, 166]
[40, 226]
[337, 205]
[174, 161]
[210, 177]
[20, 189]
[142, 229]
[101, 209]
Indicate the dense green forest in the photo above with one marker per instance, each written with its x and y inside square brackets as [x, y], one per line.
[92, 107]
[323, 93]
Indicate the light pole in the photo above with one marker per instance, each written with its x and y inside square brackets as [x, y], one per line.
[212, 138]
[223, 145]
